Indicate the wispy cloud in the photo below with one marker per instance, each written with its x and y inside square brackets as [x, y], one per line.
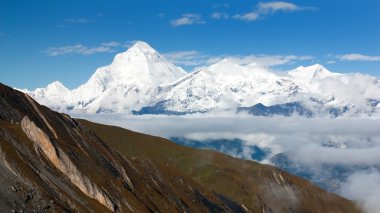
[82, 49]
[268, 60]
[269, 8]
[79, 20]
[187, 58]
[198, 59]
[219, 15]
[365, 188]
[251, 16]
[187, 19]
[358, 57]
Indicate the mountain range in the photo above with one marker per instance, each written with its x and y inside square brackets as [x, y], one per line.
[142, 81]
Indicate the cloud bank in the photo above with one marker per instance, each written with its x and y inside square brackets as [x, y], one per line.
[350, 142]
[365, 188]
[354, 141]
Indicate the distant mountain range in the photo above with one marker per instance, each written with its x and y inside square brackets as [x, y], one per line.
[142, 81]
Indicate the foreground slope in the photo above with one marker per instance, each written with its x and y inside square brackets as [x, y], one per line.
[254, 185]
[50, 162]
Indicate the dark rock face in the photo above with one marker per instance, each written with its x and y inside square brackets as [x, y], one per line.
[287, 109]
[49, 162]
[157, 109]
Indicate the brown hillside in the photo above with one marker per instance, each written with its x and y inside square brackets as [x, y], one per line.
[250, 183]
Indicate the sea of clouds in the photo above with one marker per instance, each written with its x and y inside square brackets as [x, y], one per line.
[312, 141]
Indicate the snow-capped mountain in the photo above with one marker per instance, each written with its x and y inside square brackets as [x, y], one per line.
[142, 81]
[54, 95]
[307, 91]
[130, 82]
[227, 85]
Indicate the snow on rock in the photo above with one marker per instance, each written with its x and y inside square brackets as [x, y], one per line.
[141, 78]
[129, 82]
[226, 85]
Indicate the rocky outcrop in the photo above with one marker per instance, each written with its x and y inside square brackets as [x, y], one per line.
[62, 162]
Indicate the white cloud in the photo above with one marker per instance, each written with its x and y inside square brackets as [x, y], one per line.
[364, 187]
[198, 59]
[251, 16]
[269, 60]
[266, 8]
[187, 58]
[82, 49]
[357, 141]
[187, 19]
[272, 7]
[219, 15]
[358, 57]
[79, 20]
[353, 88]
[351, 156]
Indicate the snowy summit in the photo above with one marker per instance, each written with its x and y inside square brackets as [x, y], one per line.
[141, 80]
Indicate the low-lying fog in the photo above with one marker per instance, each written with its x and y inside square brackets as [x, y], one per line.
[312, 141]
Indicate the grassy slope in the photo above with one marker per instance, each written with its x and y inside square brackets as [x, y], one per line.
[243, 181]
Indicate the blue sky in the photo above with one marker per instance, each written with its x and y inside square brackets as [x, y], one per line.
[43, 40]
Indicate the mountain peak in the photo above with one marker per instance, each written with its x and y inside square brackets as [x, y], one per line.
[314, 67]
[225, 63]
[143, 46]
[142, 62]
[311, 72]
[138, 52]
[129, 82]
[56, 89]
[317, 66]
[56, 85]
